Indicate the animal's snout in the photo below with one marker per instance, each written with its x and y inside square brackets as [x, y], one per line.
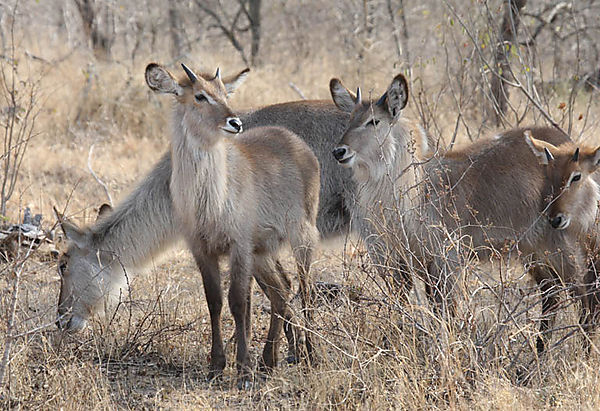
[339, 153]
[560, 221]
[233, 125]
[344, 155]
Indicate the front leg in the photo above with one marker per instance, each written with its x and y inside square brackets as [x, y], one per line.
[211, 278]
[240, 263]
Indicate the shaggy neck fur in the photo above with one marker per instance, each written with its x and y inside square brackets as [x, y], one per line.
[389, 191]
[199, 179]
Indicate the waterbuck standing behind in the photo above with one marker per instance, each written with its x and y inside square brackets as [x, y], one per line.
[427, 209]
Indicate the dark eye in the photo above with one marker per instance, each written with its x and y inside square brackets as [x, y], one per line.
[576, 177]
[372, 122]
[200, 98]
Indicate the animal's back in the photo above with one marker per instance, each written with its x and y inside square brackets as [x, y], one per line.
[481, 186]
[320, 124]
[285, 174]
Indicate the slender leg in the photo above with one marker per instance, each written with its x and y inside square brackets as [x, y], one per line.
[303, 247]
[590, 300]
[392, 268]
[240, 263]
[211, 278]
[249, 311]
[549, 289]
[440, 282]
[290, 331]
[277, 287]
[565, 268]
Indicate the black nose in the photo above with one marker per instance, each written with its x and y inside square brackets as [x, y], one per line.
[235, 123]
[339, 153]
[556, 221]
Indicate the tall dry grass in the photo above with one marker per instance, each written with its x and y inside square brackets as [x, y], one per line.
[374, 352]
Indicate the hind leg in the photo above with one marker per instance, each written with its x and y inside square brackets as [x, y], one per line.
[248, 321]
[303, 245]
[240, 266]
[441, 278]
[590, 299]
[277, 287]
[391, 267]
[290, 330]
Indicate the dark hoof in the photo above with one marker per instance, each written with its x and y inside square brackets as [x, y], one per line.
[265, 368]
[292, 359]
[540, 345]
[522, 376]
[214, 376]
[246, 383]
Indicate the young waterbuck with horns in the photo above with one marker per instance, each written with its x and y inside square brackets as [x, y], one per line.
[427, 208]
[241, 194]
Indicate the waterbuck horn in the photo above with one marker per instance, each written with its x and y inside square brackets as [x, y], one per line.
[189, 73]
[576, 155]
[549, 155]
[218, 74]
[358, 96]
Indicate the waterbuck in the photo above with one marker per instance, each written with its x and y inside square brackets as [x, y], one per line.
[570, 188]
[100, 258]
[429, 209]
[241, 194]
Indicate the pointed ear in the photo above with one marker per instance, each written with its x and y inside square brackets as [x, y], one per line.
[541, 149]
[72, 232]
[593, 161]
[597, 157]
[396, 96]
[103, 210]
[233, 82]
[160, 80]
[343, 98]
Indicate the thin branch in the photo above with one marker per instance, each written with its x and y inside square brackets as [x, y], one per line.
[297, 90]
[102, 183]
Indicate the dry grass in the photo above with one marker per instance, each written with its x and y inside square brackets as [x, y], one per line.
[374, 353]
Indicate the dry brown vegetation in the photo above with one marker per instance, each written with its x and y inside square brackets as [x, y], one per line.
[374, 352]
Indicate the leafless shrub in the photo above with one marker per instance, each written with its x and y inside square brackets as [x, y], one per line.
[19, 112]
[376, 350]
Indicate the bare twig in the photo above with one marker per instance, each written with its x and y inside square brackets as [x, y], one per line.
[8, 339]
[554, 13]
[297, 90]
[102, 183]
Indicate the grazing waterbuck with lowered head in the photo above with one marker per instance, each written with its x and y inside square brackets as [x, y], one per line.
[424, 207]
[241, 194]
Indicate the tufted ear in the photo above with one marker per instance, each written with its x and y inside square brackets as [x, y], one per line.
[161, 80]
[80, 237]
[343, 98]
[541, 149]
[231, 83]
[396, 96]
